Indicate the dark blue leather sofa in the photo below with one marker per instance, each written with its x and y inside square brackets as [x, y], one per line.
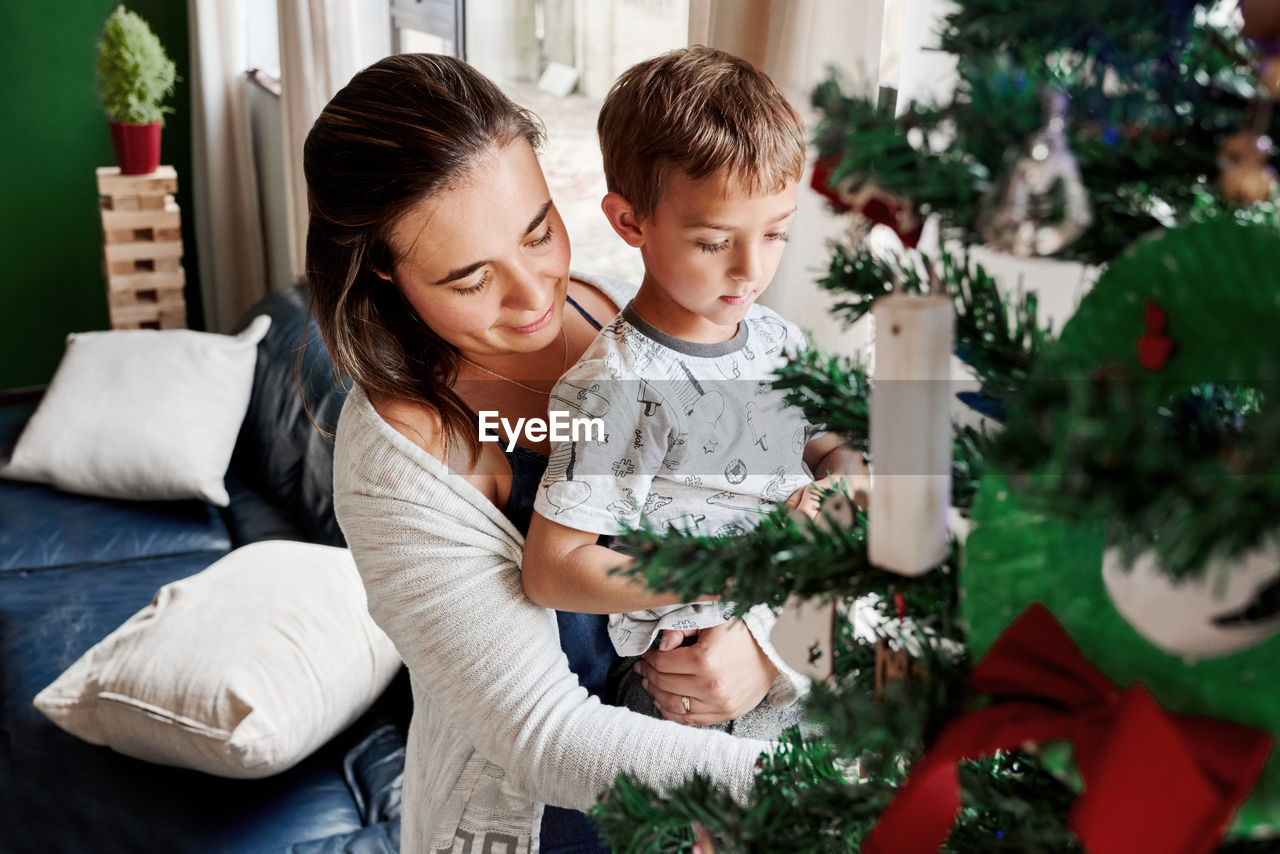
[72, 568]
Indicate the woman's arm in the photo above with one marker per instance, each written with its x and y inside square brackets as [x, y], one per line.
[490, 660]
[443, 582]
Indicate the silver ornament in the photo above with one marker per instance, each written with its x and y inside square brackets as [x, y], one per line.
[1040, 205]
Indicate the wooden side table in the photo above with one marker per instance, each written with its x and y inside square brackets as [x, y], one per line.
[142, 249]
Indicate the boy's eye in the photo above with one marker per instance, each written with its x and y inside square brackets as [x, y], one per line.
[545, 238]
[713, 247]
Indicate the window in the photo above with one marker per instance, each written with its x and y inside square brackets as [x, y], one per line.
[427, 26]
[558, 58]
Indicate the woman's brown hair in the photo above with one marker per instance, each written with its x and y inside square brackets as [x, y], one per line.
[404, 129]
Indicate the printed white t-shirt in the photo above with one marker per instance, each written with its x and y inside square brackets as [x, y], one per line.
[694, 438]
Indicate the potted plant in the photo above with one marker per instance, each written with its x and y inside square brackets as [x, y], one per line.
[135, 75]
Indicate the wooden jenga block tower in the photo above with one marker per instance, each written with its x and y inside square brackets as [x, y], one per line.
[142, 249]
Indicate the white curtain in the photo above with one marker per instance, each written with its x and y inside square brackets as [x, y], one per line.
[227, 220]
[794, 42]
[317, 57]
[323, 43]
[927, 74]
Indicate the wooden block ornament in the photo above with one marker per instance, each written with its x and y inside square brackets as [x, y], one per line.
[910, 433]
[804, 634]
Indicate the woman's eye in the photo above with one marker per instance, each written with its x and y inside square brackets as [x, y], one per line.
[545, 238]
[474, 289]
[713, 247]
[779, 235]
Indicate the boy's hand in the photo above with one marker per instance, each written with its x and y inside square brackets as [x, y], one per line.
[830, 456]
[808, 502]
[805, 499]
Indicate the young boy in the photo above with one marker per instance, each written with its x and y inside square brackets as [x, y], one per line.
[702, 157]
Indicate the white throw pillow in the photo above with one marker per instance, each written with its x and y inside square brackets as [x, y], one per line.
[142, 414]
[241, 670]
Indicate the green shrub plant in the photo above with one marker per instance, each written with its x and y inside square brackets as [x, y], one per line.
[135, 75]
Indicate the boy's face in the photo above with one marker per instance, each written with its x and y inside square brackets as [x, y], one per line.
[709, 251]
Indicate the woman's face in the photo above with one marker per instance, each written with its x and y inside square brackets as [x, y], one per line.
[486, 263]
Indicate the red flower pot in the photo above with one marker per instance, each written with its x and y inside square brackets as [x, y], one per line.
[137, 147]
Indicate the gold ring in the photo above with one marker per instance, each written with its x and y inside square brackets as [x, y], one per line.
[684, 701]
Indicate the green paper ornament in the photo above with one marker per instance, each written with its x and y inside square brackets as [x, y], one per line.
[1158, 553]
[1158, 408]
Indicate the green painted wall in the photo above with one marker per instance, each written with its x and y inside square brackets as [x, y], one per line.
[53, 134]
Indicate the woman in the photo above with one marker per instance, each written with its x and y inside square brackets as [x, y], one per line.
[439, 274]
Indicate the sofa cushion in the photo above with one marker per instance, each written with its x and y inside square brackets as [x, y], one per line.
[60, 794]
[42, 527]
[240, 670]
[141, 414]
[285, 448]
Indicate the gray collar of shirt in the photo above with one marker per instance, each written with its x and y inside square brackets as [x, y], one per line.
[689, 348]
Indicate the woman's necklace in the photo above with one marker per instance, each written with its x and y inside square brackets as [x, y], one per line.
[565, 359]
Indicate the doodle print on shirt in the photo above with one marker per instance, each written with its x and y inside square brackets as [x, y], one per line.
[758, 434]
[710, 447]
[738, 502]
[703, 405]
[648, 399]
[798, 440]
[772, 334]
[563, 492]
[583, 399]
[626, 506]
[699, 420]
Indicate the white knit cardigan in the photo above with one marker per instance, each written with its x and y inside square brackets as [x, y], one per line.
[500, 724]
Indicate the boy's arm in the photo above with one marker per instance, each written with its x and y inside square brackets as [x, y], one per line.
[829, 455]
[564, 568]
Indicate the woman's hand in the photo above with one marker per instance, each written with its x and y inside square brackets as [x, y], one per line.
[723, 673]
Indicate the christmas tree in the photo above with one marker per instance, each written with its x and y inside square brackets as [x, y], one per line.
[1089, 669]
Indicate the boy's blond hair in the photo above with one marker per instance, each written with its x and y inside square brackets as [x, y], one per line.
[699, 111]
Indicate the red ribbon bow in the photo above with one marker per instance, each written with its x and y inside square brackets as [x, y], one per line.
[1153, 781]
